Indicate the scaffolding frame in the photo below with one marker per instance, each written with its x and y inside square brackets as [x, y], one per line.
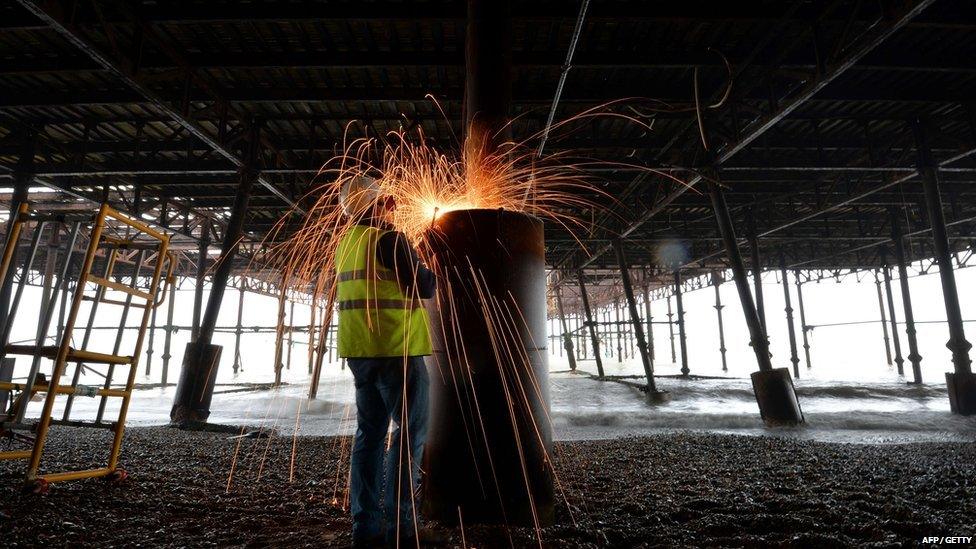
[62, 352]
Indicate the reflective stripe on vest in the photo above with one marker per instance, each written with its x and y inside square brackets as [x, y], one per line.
[376, 318]
[379, 304]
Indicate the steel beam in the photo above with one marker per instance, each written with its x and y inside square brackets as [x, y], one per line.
[682, 336]
[51, 14]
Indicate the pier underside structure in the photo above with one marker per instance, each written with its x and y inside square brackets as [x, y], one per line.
[793, 141]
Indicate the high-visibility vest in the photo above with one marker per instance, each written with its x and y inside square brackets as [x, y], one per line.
[376, 318]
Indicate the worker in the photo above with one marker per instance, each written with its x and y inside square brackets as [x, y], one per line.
[384, 336]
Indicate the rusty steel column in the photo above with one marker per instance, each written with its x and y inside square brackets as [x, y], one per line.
[682, 337]
[773, 387]
[884, 319]
[892, 315]
[906, 297]
[791, 330]
[716, 282]
[961, 382]
[488, 456]
[566, 336]
[653, 395]
[594, 338]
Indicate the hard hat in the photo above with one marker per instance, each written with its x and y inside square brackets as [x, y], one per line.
[357, 194]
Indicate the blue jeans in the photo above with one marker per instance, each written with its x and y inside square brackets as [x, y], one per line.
[382, 385]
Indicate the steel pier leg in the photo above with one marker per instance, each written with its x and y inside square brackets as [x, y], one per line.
[168, 336]
[884, 319]
[756, 270]
[892, 314]
[906, 297]
[804, 328]
[635, 319]
[650, 324]
[961, 382]
[594, 338]
[717, 281]
[239, 329]
[774, 388]
[789, 316]
[682, 337]
[567, 337]
[674, 354]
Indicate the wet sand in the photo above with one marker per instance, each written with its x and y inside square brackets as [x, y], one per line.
[666, 490]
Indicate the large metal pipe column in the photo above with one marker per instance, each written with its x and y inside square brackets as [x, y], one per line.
[961, 383]
[906, 297]
[201, 357]
[892, 315]
[773, 387]
[594, 338]
[653, 395]
[488, 455]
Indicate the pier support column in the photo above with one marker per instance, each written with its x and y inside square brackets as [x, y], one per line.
[201, 278]
[594, 338]
[774, 387]
[280, 330]
[716, 282]
[674, 355]
[892, 314]
[239, 329]
[961, 383]
[804, 328]
[648, 320]
[618, 325]
[653, 395]
[682, 336]
[789, 315]
[884, 318]
[906, 297]
[202, 358]
[567, 337]
[168, 334]
[756, 269]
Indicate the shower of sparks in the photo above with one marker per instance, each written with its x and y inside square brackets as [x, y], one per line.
[424, 184]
